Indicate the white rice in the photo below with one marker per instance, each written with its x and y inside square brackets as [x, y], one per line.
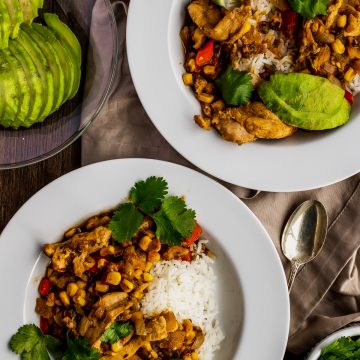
[188, 290]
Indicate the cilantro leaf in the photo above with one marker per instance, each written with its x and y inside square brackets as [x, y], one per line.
[25, 339]
[165, 230]
[181, 218]
[235, 86]
[117, 331]
[344, 348]
[147, 195]
[309, 8]
[54, 346]
[125, 222]
[79, 349]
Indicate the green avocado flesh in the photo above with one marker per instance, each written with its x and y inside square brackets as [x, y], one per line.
[5, 25]
[34, 81]
[53, 64]
[16, 16]
[66, 66]
[42, 67]
[306, 101]
[29, 10]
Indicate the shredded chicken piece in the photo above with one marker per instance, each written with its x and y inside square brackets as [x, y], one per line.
[208, 18]
[77, 249]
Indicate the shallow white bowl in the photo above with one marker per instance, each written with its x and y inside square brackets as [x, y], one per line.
[304, 161]
[251, 286]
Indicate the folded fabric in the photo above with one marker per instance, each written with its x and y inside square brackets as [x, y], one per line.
[324, 295]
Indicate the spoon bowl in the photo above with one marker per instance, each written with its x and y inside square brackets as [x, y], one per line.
[304, 235]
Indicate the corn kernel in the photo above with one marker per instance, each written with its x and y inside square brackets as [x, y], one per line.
[81, 284]
[80, 300]
[245, 28]
[194, 356]
[153, 256]
[145, 242]
[187, 357]
[127, 285]
[72, 289]
[341, 21]
[101, 287]
[81, 293]
[64, 298]
[191, 65]
[147, 346]
[108, 250]
[101, 263]
[209, 70]
[205, 98]
[70, 233]
[116, 347]
[138, 274]
[350, 74]
[113, 278]
[50, 300]
[148, 266]
[338, 46]
[188, 325]
[218, 105]
[154, 354]
[187, 79]
[148, 277]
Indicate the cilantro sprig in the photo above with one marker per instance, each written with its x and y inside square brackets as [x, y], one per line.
[235, 86]
[344, 348]
[31, 344]
[117, 331]
[309, 8]
[172, 218]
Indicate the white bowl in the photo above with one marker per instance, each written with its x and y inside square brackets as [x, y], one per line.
[316, 351]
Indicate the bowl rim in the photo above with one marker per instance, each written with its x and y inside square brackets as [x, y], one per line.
[77, 134]
[352, 330]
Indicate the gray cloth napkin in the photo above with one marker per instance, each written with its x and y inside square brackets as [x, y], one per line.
[325, 294]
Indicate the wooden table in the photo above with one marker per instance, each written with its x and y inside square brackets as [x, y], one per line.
[18, 185]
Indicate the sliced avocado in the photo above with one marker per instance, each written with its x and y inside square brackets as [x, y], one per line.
[16, 16]
[305, 101]
[64, 33]
[5, 25]
[38, 98]
[29, 10]
[9, 92]
[64, 57]
[23, 91]
[42, 67]
[53, 63]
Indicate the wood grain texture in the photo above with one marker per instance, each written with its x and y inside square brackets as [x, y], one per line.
[18, 185]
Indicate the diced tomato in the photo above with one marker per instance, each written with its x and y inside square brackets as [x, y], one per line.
[205, 54]
[44, 287]
[187, 257]
[349, 97]
[44, 325]
[194, 236]
[290, 20]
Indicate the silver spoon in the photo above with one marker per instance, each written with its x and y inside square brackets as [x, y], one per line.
[304, 235]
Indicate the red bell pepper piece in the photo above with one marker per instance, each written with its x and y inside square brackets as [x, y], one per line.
[44, 325]
[44, 287]
[290, 20]
[194, 236]
[349, 97]
[205, 54]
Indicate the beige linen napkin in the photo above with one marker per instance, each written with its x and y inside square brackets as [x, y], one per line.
[325, 294]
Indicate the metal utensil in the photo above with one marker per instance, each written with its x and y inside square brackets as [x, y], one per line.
[304, 235]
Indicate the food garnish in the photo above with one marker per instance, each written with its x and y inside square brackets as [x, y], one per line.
[235, 86]
[173, 220]
[205, 54]
[344, 348]
[310, 8]
[117, 331]
[306, 101]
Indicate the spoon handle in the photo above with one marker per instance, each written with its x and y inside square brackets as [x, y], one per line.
[293, 271]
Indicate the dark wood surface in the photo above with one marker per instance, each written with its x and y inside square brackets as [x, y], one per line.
[18, 185]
